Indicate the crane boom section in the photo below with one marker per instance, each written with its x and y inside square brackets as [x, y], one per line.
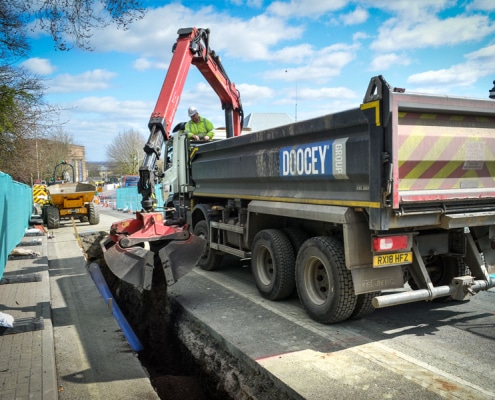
[191, 47]
[169, 97]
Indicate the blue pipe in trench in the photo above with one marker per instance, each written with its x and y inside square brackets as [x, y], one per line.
[95, 271]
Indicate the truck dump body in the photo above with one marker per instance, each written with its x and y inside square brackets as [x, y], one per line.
[390, 156]
[69, 195]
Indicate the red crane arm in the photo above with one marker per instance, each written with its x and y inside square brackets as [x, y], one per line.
[192, 47]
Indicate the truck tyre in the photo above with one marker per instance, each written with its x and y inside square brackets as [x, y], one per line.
[93, 214]
[442, 269]
[273, 264]
[364, 306]
[43, 215]
[52, 217]
[296, 237]
[324, 284]
[211, 259]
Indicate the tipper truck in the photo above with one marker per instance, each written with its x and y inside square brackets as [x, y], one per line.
[388, 203]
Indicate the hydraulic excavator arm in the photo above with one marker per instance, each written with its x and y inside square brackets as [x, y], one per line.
[172, 247]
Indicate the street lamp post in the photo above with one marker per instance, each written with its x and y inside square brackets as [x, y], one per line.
[36, 148]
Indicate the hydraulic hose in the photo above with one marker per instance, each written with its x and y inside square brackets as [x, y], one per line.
[95, 271]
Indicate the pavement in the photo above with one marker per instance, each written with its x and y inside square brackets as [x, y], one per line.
[65, 343]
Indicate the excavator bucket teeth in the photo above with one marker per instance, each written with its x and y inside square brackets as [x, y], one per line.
[180, 257]
[133, 265]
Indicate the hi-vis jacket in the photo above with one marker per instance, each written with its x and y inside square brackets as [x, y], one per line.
[203, 128]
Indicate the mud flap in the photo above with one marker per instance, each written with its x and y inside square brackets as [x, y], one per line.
[180, 257]
[133, 265]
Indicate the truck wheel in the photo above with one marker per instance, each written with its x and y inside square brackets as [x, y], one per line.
[296, 236]
[52, 217]
[93, 214]
[442, 269]
[273, 264]
[211, 259]
[363, 305]
[324, 284]
[43, 215]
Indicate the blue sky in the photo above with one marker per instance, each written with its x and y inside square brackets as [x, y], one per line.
[305, 58]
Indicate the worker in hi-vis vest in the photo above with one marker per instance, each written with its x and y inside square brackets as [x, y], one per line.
[198, 128]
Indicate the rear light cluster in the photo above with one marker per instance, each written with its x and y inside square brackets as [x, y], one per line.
[390, 243]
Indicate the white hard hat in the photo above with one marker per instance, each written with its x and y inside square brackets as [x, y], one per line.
[192, 111]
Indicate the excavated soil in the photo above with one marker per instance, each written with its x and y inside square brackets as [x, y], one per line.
[172, 370]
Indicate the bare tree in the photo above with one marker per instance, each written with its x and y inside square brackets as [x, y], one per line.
[24, 118]
[52, 151]
[20, 103]
[127, 152]
[66, 21]
[13, 21]
[93, 170]
[30, 142]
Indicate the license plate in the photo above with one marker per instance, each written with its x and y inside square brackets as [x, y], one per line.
[72, 211]
[384, 260]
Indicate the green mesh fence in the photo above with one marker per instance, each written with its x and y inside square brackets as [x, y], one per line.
[16, 205]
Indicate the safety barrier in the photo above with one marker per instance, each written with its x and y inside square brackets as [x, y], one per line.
[129, 200]
[16, 206]
[40, 195]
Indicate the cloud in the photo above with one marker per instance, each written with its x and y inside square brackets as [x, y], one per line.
[260, 35]
[293, 54]
[326, 93]
[360, 35]
[358, 16]
[203, 97]
[484, 58]
[407, 10]
[247, 39]
[39, 66]
[251, 94]
[484, 5]
[400, 34]
[386, 61]
[304, 8]
[248, 3]
[95, 121]
[479, 63]
[146, 36]
[110, 106]
[320, 65]
[97, 79]
[143, 64]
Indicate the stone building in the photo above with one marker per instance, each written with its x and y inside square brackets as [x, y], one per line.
[77, 158]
